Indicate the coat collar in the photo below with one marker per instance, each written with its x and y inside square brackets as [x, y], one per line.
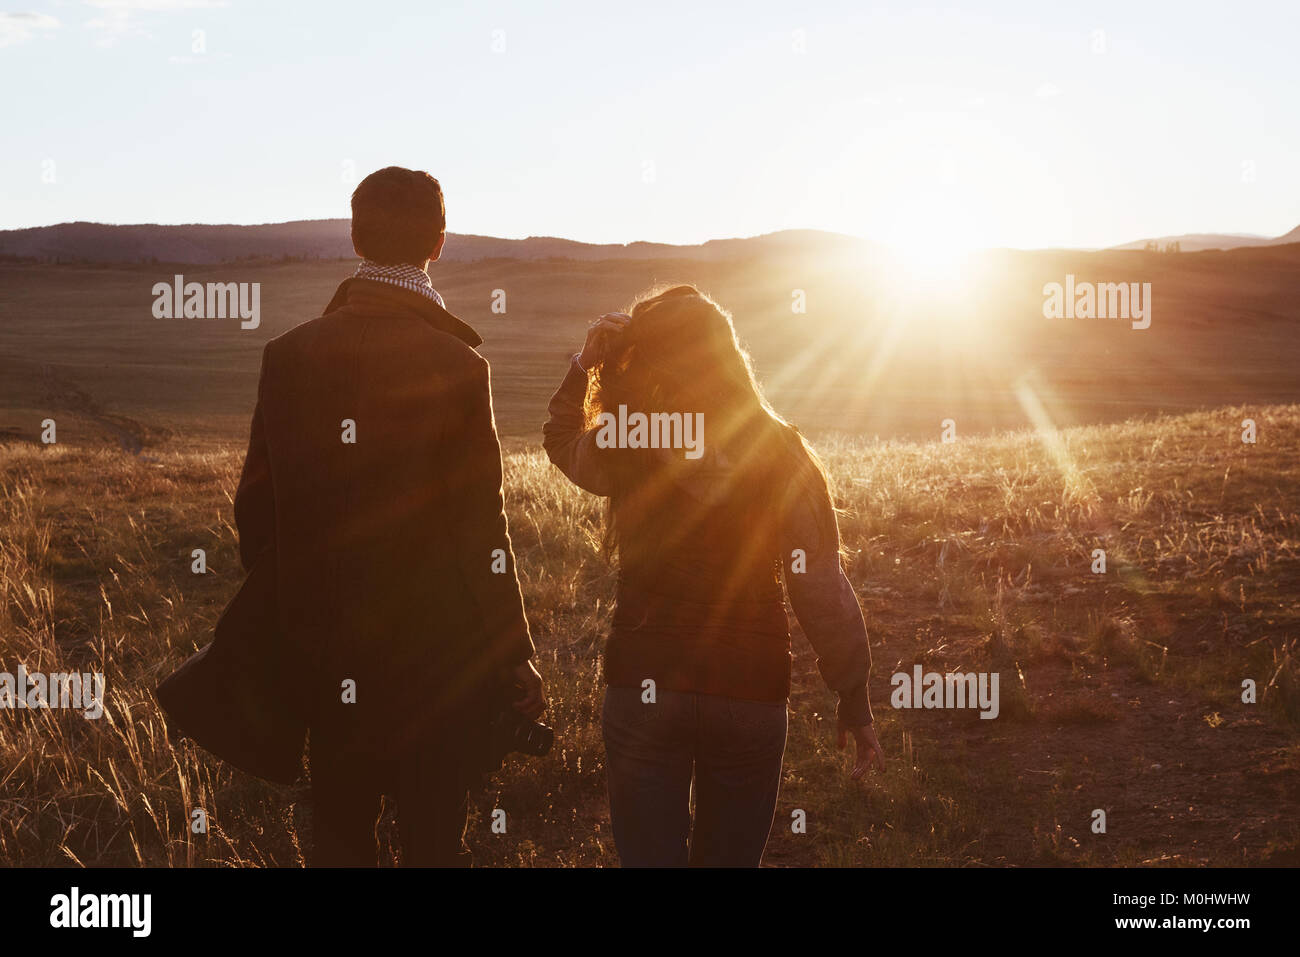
[372, 296]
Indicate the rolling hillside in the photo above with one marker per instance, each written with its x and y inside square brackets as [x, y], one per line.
[329, 239]
[874, 351]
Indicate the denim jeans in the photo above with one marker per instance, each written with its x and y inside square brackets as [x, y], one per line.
[732, 751]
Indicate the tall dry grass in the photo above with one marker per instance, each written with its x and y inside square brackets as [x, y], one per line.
[971, 554]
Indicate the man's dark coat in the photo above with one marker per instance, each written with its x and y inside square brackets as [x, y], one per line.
[381, 598]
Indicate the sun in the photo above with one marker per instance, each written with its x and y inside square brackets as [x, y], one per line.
[929, 277]
[928, 249]
[930, 271]
[928, 262]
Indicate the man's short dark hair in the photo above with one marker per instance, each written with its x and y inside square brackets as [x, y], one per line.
[397, 216]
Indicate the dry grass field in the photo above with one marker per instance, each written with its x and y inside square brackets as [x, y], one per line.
[1120, 691]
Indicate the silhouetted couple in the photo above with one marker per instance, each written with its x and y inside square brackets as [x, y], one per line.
[372, 490]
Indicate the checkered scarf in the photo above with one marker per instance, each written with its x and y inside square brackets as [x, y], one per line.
[406, 275]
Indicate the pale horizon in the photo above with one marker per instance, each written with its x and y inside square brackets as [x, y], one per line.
[718, 238]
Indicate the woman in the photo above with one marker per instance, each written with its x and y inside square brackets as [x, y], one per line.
[706, 505]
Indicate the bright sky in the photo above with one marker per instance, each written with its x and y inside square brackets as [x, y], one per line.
[997, 123]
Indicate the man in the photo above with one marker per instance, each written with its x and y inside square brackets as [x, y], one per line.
[374, 473]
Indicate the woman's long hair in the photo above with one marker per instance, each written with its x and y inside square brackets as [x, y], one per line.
[679, 353]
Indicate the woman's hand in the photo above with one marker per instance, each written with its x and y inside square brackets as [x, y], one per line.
[598, 336]
[869, 752]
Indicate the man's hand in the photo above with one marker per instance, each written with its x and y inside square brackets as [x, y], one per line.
[532, 704]
[598, 336]
[869, 752]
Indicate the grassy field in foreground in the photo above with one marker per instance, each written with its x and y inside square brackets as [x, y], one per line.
[1120, 691]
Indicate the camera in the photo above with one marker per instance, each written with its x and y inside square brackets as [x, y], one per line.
[509, 732]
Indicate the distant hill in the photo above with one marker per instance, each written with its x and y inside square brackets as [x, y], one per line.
[1194, 242]
[325, 239]
[329, 239]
